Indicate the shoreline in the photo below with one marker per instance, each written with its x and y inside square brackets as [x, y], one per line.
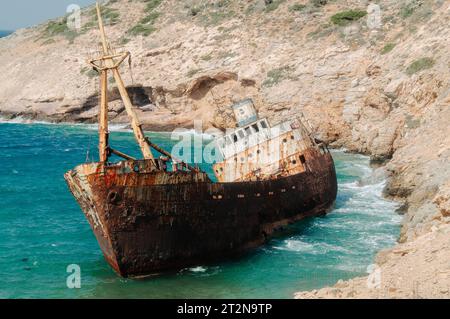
[392, 262]
[92, 126]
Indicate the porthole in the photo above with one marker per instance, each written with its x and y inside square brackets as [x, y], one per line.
[294, 162]
[284, 140]
[136, 168]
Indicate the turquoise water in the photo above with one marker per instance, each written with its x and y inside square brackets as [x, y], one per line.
[42, 230]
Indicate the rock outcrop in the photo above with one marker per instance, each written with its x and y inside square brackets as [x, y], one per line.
[377, 84]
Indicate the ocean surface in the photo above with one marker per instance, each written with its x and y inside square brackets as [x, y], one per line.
[4, 33]
[42, 229]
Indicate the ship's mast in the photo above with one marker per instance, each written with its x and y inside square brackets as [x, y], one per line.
[110, 61]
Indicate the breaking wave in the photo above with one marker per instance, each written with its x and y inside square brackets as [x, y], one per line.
[362, 222]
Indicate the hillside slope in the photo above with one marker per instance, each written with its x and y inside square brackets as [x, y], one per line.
[379, 90]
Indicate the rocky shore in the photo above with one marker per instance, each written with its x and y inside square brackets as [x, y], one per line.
[374, 84]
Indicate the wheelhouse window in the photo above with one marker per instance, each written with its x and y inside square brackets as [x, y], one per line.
[263, 124]
[241, 134]
[255, 127]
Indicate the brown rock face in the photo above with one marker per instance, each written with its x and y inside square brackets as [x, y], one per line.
[380, 89]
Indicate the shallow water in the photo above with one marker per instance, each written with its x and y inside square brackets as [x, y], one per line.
[42, 230]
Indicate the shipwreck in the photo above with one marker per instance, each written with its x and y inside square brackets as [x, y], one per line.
[159, 213]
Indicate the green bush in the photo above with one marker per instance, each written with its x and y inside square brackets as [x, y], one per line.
[346, 17]
[297, 7]
[146, 25]
[150, 18]
[194, 11]
[142, 29]
[420, 65]
[408, 9]
[318, 3]
[110, 16]
[59, 28]
[387, 48]
[56, 28]
[152, 4]
[277, 75]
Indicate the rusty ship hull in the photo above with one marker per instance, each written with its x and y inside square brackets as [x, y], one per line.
[148, 221]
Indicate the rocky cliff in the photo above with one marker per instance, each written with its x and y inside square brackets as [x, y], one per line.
[371, 78]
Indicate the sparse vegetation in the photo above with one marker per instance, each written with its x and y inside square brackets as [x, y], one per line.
[420, 65]
[146, 25]
[152, 4]
[124, 40]
[344, 18]
[227, 54]
[194, 11]
[54, 28]
[297, 7]
[48, 41]
[206, 57]
[322, 31]
[388, 48]
[411, 122]
[277, 75]
[212, 13]
[141, 29]
[273, 5]
[251, 8]
[192, 72]
[318, 3]
[59, 28]
[408, 9]
[218, 16]
[150, 18]
[110, 16]
[89, 72]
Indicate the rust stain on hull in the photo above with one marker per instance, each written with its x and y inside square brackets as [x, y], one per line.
[147, 221]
